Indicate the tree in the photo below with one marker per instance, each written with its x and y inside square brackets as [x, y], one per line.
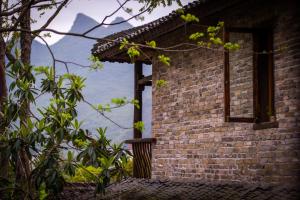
[31, 145]
[3, 91]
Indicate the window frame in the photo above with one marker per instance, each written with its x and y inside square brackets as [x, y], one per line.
[256, 90]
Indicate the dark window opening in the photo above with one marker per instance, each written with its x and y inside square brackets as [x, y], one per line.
[264, 59]
[249, 82]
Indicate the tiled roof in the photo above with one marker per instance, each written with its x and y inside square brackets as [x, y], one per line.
[107, 43]
[135, 189]
[80, 191]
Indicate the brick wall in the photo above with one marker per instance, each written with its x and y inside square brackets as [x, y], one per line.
[194, 142]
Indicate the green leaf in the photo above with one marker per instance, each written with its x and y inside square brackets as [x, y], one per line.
[217, 41]
[231, 46]
[80, 143]
[107, 108]
[133, 52]
[189, 18]
[124, 43]
[151, 44]
[119, 101]
[100, 107]
[160, 83]
[221, 24]
[196, 35]
[164, 59]
[140, 126]
[17, 53]
[70, 156]
[136, 103]
[213, 29]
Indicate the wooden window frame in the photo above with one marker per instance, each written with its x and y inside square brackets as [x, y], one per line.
[256, 90]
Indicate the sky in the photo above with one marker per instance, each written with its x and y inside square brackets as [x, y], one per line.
[98, 9]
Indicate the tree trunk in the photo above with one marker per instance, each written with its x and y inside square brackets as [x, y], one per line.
[3, 96]
[22, 165]
[3, 87]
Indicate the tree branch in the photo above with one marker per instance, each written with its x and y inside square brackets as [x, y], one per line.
[14, 10]
[53, 16]
[107, 16]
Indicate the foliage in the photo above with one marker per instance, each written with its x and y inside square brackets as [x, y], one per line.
[196, 35]
[231, 46]
[140, 126]
[133, 52]
[209, 38]
[132, 49]
[161, 83]
[189, 18]
[151, 4]
[90, 173]
[124, 43]
[43, 139]
[117, 103]
[84, 174]
[96, 64]
[151, 44]
[164, 59]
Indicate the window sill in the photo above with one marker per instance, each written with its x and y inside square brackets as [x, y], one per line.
[265, 125]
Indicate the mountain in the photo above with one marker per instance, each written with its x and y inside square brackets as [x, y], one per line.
[114, 80]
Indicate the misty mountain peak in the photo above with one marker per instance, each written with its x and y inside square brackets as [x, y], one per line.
[81, 18]
[82, 22]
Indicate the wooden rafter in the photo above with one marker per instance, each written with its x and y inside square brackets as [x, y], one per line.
[145, 81]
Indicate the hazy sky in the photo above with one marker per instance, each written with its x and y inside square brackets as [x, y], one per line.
[98, 9]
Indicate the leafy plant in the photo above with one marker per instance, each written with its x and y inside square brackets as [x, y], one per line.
[43, 139]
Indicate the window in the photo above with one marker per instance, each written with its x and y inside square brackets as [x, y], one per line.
[249, 82]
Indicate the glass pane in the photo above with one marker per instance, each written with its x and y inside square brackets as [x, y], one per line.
[241, 76]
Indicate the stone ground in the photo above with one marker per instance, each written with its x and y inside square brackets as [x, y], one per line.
[135, 189]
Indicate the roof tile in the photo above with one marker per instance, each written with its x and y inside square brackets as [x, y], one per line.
[112, 40]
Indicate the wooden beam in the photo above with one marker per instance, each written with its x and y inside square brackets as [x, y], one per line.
[256, 95]
[141, 140]
[271, 83]
[265, 125]
[241, 119]
[226, 79]
[145, 81]
[138, 95]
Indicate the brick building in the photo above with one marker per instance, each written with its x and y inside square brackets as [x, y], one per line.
[225, 116]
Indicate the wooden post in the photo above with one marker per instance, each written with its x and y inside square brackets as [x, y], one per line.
[142, 152]
[271, 84]
[138, 95]
[226, 79]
